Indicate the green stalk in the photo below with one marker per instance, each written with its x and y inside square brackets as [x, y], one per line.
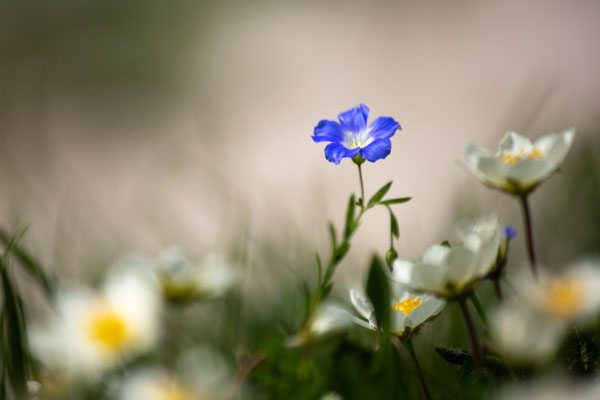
[529, 234]
[413, 356]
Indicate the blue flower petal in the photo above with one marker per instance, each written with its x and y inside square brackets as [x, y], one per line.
[355, 119]
[509, 231]
[328, 131]
[334, 152]
[376, 150]
[383, 128]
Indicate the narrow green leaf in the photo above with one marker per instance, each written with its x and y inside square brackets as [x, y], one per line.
[380, 193]
[14, 347]
[319, 270]
[395, 201]
[340, 252]
[332, 236]
[350, 216]
[30, 264]
[378, 291]
[394, 228]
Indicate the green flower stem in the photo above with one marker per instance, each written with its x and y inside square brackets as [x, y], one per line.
[362, 189]
[479, 308]
[498, 288]
[413, 356]
[472, 334]
[529, 234]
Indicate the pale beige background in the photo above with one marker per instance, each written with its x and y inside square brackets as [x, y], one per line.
[214, 144]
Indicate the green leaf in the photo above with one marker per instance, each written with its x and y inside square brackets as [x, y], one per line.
[394, 228]
[380, 193]
[31, 265]
[13, 333]
[319, 270]
[445, 243]
[332, 236]
[395, 201]
[350, 216]
[340, 252]
[378, 291]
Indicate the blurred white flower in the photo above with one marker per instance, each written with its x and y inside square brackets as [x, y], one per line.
[184, 280]
[524, 337]
[156, 385]
[519, 166]
[572, 296]
[554, 388]
[94, 331]
[328, 319]
[409, 311]
[450, 272]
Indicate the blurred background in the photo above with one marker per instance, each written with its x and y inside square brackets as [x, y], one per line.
[131, 125]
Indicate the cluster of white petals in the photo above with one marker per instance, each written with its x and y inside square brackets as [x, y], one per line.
[452, 271]
[183, 279]
[94, 331]
[530, 331]
[519, 165]
[409, 311]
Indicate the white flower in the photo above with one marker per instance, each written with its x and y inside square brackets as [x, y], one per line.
[409, 311]
[183, 279]
[94, 331]
[453, 271]
[570, 297]
[553, 388]
[525, 337]
[519, 165]
[158, 385]
[328, 319]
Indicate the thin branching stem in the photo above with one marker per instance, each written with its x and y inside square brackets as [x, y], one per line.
[472, 334]
[529, 234]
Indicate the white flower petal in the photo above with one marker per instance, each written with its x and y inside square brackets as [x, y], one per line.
[402, 271]
[361, 303]
[427, 277]
[513, 143]
[461, 265]
[436, 254]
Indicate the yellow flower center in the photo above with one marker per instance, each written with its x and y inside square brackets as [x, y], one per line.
[563, 298]
[513, 158]
[407, 306]
[109, 329]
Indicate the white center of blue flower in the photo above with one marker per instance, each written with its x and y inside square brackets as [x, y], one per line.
[354, 140]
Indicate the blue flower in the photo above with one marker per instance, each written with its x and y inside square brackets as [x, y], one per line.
[351, 136]
[509, 231]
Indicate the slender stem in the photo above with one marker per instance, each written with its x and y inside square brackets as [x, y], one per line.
[247, 368]
[479, 308]
[415, 361]
[362, 188]
[472, 334]
[497, 288]
[529, 234]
